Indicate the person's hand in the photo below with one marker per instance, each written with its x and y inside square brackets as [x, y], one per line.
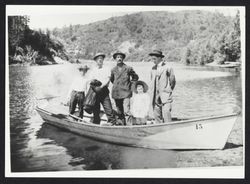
[65, 103]
[95, 83]
[97, 89]
[128, 113]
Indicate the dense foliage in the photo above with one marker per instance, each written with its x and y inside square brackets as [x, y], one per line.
[30, 46]
[219, 47]
[195, 37]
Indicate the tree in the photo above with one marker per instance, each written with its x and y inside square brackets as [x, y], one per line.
[237, 23]
[186, 55]
[70, 30]
[30, 46]
[231, 42]
[16, 29]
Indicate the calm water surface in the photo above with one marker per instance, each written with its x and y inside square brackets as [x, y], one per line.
[37, 146]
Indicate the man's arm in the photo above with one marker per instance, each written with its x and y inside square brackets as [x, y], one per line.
[106, 84]
[172, 80]
[112, 77]
[132, 73]
[108, 77]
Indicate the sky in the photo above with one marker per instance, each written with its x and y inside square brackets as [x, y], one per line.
[51, 16]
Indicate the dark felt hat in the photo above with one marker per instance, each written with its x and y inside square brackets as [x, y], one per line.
[135, 84]
[99, 54]
[157, 53]
[83, 68]
[119, 53]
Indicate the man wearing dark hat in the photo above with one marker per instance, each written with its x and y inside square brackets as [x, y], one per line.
[121, 77]
[77, 91]
[102, 74]
[161, 88]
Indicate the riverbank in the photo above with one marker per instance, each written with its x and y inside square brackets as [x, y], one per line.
[225, 65]
[231, 155]
[58, 60]
[23, 61]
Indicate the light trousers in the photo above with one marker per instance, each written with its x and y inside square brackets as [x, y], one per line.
[162, 113]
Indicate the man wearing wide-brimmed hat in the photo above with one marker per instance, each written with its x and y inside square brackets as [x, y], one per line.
[102, 74]
[161, 88]
[121, 77]
[78, 90]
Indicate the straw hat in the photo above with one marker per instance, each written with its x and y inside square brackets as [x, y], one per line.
[135, 84]
[119, 53]
[157, 53]
[99, 54]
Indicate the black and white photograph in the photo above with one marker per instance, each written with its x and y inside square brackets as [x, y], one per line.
[125, 91]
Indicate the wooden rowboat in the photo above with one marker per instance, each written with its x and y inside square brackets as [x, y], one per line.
[198, 133]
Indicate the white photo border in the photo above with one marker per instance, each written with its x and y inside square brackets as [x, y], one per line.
[197, 172]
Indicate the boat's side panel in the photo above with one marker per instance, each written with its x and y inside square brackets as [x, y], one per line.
[96, 132]
[210, 134]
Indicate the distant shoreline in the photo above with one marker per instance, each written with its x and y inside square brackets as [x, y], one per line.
[228, 65]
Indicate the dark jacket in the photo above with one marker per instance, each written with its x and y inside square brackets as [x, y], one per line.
[90, 99]
[122, 81]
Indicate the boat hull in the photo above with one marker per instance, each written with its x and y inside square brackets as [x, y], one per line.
[204, 133]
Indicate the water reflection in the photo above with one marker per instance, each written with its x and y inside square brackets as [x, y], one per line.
[95, 155]
[20, 103]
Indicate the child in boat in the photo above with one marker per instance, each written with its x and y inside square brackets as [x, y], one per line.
[78, 91]
[139, 104]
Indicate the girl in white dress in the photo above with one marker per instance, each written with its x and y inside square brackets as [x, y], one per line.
[139, 104]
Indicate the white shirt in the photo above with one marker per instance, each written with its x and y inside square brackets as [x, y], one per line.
[101, 74]
[160, 64]
[140, 105]
[80, 84]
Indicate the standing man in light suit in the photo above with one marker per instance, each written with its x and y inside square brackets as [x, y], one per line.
[161, 87]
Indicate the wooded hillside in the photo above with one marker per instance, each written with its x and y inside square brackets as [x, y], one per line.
[195, 37]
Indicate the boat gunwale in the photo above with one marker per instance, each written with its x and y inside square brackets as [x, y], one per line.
[145, 126]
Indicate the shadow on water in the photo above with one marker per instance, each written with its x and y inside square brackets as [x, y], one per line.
[230, 145]
[95, 155]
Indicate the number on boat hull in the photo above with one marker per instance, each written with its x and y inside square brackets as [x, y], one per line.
[198, 126]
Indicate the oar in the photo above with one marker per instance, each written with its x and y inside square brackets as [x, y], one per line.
[47, 98]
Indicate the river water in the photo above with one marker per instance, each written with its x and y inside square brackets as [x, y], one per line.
[37, 146]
